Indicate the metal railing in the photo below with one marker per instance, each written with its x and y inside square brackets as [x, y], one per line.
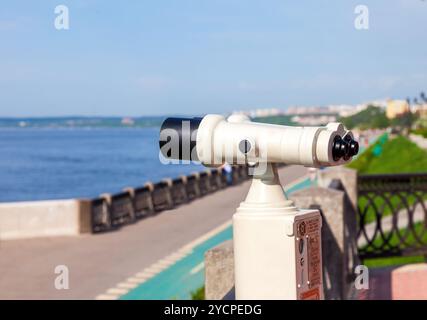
[111, 211]
[392, 215]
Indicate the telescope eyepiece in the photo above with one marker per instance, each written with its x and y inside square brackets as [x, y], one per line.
[354, 148]
[344, 148]
[338, 148]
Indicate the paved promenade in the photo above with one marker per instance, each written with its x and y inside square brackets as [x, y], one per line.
[408, 282]
[419, 140]
[99, 262]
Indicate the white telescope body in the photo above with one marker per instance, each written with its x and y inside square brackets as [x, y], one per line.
[277, 247]
[240, 141]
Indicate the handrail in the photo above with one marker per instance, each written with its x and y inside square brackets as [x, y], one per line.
[392, 214]
[112, 211]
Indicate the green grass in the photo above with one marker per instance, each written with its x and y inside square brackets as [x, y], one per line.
[398, 155]
[394, 241]
[421, 132]
[392, 261]
[395, 203]
[198, 294]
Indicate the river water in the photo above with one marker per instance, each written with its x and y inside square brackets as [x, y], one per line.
[60, 163]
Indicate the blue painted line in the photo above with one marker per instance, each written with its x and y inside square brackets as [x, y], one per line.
[362, 149]
[177, 281]
[306, 183]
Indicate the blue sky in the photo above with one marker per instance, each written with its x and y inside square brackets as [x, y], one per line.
[194, 57]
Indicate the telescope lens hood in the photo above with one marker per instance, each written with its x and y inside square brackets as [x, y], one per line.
[180, 134]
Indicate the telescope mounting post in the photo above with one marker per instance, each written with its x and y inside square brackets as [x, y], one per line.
[277, 247]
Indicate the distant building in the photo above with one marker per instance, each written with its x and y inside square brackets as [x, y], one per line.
[260, 112]
[302, 110]
[128, 121]
[311, 115]
[379, 103]
[266, 112]
[343, 110]
[396, 108]
[420, 109]
[315, 120]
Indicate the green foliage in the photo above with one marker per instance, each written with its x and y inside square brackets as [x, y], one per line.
[404, 120]
[280, 119]
[370, 118]
[421, 132]
[398, 155]
[199, 294]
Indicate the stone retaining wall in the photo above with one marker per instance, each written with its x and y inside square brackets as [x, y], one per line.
[109, 211]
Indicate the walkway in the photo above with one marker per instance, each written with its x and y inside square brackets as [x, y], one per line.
[99, 262]
[419, 140]
[397, 283]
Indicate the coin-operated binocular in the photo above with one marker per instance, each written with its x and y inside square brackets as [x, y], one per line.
[277, 247]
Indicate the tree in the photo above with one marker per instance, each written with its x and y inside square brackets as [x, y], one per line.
[423, 96]
[370, 118]
[404, 121]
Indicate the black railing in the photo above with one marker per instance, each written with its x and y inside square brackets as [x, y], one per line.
[392, 215]
[112, 211]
